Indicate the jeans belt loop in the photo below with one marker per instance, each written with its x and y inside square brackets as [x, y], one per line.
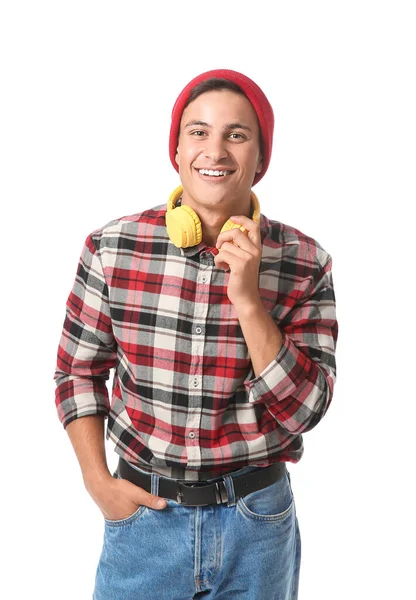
[221, 492]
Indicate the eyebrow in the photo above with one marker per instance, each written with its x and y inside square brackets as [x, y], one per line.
[227, 127]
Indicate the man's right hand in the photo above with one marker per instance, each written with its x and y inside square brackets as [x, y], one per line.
[119, 499]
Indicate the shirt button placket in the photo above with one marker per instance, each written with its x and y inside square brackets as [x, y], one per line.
[193, 424]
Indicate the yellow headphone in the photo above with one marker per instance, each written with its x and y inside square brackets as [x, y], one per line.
[184, 226]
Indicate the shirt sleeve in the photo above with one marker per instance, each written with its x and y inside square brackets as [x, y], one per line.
[87, 349]
[297, 386]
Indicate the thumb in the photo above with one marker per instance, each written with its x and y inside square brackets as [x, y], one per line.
[152, 501]
[221, 264]
[159, 503]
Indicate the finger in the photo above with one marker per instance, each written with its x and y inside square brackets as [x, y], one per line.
[221, 264]
[151, 500]
[232, 256]
[246, 222]
[237, 238]
[229, 250]
[253, 228]
[220, 261]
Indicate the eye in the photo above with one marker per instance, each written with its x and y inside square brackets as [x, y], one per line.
[198, 133]
[237, 136]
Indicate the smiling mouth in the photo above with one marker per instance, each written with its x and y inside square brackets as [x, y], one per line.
[214, 173]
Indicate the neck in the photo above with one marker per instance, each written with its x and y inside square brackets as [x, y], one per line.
[213, 217]
[211, 227]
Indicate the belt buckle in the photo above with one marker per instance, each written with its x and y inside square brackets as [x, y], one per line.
[179, 495]
[221, 494]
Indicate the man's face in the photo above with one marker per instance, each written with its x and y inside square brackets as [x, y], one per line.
[219, 131]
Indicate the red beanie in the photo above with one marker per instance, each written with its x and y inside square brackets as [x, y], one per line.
[257, 98]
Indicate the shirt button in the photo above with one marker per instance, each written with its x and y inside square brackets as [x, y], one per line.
[192, 434]
[198, 330]
[196, 381]
[204, 280]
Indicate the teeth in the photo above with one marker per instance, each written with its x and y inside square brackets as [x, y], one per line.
[214, 173]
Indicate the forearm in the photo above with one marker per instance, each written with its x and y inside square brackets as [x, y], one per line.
[297, 385]
[261, 334]
[87, 438]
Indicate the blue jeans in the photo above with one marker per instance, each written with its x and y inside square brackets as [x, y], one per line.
[248, 549]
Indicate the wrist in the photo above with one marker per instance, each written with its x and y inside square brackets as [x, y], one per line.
[250, 309]
[95, 481]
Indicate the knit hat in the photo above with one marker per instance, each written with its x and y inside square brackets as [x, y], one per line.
[257, 98]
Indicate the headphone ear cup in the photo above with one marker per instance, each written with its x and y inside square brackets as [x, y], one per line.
[231, 225]
[184, 227]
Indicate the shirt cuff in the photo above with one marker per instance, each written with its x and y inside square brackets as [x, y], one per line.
[282, 377]
[89, 401]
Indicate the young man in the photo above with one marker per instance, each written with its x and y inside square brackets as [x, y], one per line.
[220, 324]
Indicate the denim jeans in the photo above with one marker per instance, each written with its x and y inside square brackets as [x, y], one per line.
[249, 549]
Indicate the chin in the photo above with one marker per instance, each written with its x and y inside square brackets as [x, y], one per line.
[212, 198]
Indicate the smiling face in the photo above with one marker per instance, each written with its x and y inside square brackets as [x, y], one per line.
[218, 152]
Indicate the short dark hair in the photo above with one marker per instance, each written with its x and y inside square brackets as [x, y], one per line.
[215, 83]
[218, 83]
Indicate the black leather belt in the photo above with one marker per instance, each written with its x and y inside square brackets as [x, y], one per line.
[203, 493]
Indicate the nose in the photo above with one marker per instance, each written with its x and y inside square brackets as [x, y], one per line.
[215, 149]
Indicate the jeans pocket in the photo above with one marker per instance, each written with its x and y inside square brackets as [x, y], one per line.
[127, 520]
[273, 503]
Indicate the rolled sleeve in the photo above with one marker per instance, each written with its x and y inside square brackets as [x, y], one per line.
[297, 386]
[87, 349]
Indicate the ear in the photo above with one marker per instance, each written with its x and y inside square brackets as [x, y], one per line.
[177, 156]
[260, 165]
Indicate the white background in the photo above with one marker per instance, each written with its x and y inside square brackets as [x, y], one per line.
[86, 94]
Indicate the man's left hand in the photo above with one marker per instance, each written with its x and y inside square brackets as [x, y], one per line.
[241, 253]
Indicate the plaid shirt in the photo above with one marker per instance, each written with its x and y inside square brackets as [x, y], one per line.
[185, 401]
